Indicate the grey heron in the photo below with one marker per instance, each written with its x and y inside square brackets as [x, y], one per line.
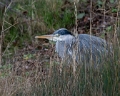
[83, 47]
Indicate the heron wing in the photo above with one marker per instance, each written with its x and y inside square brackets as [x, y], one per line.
[84, 47]
[91, 47]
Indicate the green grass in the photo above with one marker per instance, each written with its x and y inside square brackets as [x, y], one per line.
[43, 17]
[34, 17]
[84, 83]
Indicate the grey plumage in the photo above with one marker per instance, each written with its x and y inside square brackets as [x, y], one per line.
[82, 48]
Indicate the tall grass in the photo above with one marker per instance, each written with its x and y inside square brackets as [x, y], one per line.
[40, 17]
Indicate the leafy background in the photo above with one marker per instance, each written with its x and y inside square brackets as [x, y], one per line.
[30, 67]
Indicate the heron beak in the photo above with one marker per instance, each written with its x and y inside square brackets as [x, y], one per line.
[49, 37]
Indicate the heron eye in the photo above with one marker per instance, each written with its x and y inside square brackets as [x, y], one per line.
[57, 35]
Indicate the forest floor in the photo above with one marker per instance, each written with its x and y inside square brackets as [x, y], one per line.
[23, 55]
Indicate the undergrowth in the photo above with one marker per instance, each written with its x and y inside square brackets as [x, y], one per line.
[24, 70]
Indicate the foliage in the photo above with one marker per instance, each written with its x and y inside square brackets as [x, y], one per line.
[25, 71]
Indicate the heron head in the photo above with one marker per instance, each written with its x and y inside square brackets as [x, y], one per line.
[58, 35]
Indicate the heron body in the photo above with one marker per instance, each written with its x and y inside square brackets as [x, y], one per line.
[82, 48]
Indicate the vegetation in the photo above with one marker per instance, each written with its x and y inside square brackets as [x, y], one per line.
[31, 68]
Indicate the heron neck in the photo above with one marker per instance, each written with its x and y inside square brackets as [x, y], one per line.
[66, 38]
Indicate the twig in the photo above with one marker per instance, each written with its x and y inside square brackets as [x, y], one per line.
[2, 33]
